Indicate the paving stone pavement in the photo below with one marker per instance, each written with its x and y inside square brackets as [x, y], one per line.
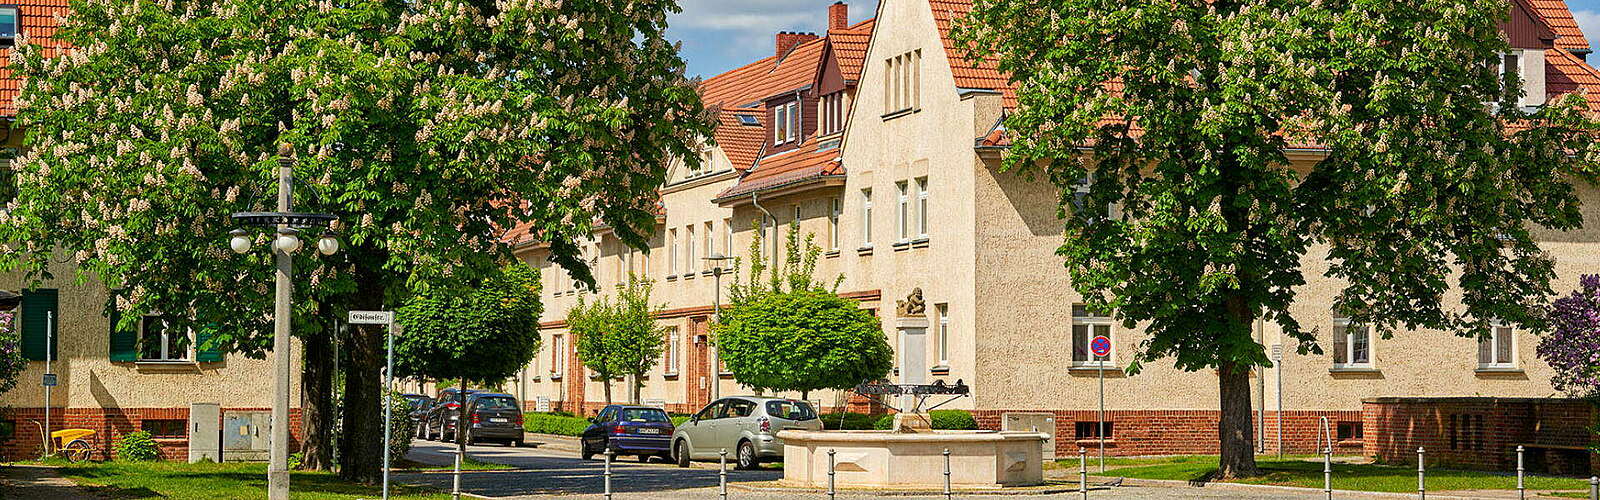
[21, 482]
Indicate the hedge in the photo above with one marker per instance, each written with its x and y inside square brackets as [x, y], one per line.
[545, 423]
[948, 420]
[847, 421]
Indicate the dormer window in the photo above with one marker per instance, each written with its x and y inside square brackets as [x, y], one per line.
[785, 123]
[10, 25]
[1527, 68]
[830, 111]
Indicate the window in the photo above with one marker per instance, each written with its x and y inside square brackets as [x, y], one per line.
[669, 366]
[1086, 325]
[160, 341]
[836, 207]
[1510, 70]
[558, 355]
[831, 113]
[8, 178]
[944, 333]
[780, 123]
[796, 211]
[1349, 430]
[794, 122]
[1092, 430]
[712, 411]
[922, 207]
[903, 229]
[1352, 344]
[165, 428]
[1499, 350]
[10, 25]
[727, 235]
[903, 82]
[748, 120]
[672, 252]
[688, 246]
[710, 242]
[1466, 432]
[866, 218]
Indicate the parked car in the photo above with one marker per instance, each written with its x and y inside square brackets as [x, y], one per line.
[494, 417]
[419, 410]
[443, 414]
[745, 425]
[645, 431]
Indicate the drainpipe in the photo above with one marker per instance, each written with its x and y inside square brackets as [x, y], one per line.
[754, 201]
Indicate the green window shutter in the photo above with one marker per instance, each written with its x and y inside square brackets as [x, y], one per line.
[37, 307]
[204, 351]
[124, 341]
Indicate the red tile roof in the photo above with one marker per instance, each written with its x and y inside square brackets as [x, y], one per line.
[1556, 14]
[983, 74]
[38, 19]
[850, 48]
[810, 161]
[742, 143]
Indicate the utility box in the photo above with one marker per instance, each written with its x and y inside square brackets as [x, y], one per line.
[246, 436]
[1033, 422]
[205, 435]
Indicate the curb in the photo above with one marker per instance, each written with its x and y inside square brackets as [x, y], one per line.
[1175, 484]
[1022, 490]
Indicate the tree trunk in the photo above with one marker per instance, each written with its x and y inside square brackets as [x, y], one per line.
[462, 423]
[805, 395]
[605, 381]
[637, 388]
[362, 446]
[1238, 458]
[316, 404]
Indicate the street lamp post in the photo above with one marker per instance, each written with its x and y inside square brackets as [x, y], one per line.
[286, 225]
[716, 307]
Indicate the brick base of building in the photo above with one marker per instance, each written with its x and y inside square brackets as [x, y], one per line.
[1182, 432]
[110, 424]
[1483, 433]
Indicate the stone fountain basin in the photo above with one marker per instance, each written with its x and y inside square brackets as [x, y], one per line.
[889, 459]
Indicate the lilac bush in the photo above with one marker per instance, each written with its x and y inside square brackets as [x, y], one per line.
[1573, 346]
[11, 360]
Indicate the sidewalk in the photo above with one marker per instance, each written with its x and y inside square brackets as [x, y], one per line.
[551, 441]
[31, 482]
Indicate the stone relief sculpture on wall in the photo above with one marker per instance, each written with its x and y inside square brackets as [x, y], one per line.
[912, 305]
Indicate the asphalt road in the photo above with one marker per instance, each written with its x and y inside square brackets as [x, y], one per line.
[557, 472]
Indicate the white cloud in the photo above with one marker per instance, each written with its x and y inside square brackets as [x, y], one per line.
[723, 34]
[1589, 22]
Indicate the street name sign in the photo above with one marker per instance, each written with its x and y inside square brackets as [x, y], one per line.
[371, 317]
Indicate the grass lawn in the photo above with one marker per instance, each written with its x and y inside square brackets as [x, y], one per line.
[468, 464]
[1361, 477]
[218, 481]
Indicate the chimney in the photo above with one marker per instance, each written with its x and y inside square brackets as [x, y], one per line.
[838, 16]
[788, 40]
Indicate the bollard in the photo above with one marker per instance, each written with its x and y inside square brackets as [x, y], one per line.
[610, 455]
[455, 489]
[1327, 472]
[1522, 493]
[1083, 472]
[1594, 488]
[722, 473]
[947, 493]
[830, 474]
[1422, 481]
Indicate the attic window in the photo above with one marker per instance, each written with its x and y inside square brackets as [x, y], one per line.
[749, 120]
[8, 25]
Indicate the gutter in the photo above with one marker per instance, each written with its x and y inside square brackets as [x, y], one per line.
[803, 180]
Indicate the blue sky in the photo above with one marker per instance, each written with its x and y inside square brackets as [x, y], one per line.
[719, 35]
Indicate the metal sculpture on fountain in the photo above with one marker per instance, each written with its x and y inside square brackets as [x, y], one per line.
[915, 418]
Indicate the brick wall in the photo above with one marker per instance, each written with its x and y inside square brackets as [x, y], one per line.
[109, 425]
[1482, 433]
[1178, 432]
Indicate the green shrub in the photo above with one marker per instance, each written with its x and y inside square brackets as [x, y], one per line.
[137, 447]
[678, 420]
[943, 420]
[561, 413]
[401, 428]
[848, 421]
[544, 423]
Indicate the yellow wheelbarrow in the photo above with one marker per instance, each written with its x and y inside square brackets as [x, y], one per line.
[72, 445]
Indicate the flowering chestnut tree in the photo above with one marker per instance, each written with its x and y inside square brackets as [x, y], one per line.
[1572, 348]
[1170, 131]
[430, 128]
[11, 361]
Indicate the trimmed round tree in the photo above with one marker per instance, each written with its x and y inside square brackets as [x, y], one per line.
[619, 336]
[1573, 346]
[788, 332]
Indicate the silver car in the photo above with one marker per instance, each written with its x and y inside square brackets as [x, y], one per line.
[746, 426]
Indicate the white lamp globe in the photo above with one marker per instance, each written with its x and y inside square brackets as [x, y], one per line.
[329, 244]
[239, 242]
[288, 243]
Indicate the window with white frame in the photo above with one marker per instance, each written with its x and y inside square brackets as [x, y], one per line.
[831, 113]
[710, 237]
[1086, 325]
[902, 82]
[160, 340]
[835, 207]
[796, 218]
[669, 366]
[672, 252]
[902, 211]
[727, 235]
[1352, 344]
[794, 122]
[922, 207]
[689, 262]
[780, 124]
[558, 355]
[866, 218]
[1499, 350]
[944, 333]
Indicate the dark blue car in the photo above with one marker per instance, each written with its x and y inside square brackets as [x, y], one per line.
[630, 430]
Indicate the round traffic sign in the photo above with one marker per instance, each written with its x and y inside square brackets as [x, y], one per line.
[1100, 346]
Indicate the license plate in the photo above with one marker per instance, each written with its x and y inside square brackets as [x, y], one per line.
[498, 420]
[649, 431]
